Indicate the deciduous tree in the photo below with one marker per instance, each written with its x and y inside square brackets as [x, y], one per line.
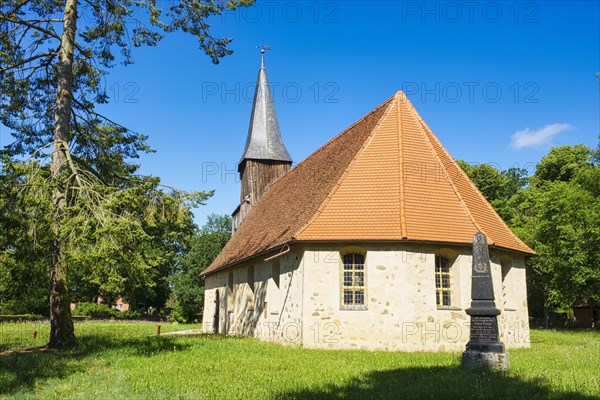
[51, 66]
[188, 285]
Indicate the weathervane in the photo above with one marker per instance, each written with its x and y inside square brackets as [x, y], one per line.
[263, 47]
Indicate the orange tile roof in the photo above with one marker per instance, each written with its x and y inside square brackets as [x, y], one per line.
[386, 177]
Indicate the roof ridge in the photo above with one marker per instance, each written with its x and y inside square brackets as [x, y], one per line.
[470, 182]
[403, 230]
[351, 164]
[414, 113]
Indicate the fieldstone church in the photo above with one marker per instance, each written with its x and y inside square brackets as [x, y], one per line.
[365, 244]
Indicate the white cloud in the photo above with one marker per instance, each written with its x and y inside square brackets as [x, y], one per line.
[528, 137]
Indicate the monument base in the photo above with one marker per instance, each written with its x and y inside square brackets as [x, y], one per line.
[479, 359]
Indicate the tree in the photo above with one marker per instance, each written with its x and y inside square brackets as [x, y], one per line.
[135, 267]
[157, 231]
[563, 163]
[23, 251]
[187, 284]
[558, 215]
[498, 187]
[51, 66]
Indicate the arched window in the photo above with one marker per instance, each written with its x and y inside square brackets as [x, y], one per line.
[443, 282]
[353, 280]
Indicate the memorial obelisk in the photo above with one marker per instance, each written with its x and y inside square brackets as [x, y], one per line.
[484, 348]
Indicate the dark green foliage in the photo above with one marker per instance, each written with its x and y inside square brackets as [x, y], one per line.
[106, 33]
[102, 311]
[152, 228]
[498, 187]
[129, 249]
[93, 310]
[24, 241]
[188, 285]
[563, 163]
[94, 225]
[558, 215]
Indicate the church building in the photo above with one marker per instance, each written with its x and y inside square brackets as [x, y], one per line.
[366, 244]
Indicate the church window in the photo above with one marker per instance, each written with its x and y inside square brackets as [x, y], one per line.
[443, 285]
[353, 280]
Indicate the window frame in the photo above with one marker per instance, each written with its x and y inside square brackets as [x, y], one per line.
[354, 271]
[439, 276]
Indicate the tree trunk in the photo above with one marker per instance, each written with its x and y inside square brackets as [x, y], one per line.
[62, 333]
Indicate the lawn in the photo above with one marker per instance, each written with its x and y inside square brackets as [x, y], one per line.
[120, 360]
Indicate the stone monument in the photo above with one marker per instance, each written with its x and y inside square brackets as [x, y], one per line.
[484, 348]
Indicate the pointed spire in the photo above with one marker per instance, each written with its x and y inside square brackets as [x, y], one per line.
[264, 140]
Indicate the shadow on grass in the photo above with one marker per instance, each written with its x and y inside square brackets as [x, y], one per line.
[22, 369]
[435, 383]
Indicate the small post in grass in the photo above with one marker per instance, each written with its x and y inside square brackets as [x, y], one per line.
[158, 330]
[484, 348]
[34, 334]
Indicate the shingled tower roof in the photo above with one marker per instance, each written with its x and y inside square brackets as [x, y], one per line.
[385, 178]
[264, 137]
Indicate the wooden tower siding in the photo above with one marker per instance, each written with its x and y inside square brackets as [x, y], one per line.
[257, 175]
[265, 157]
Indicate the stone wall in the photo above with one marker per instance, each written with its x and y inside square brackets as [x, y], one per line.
[401, 311]
[270, 309]
[400, 314]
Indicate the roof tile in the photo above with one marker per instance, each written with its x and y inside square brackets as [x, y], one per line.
[386, 177]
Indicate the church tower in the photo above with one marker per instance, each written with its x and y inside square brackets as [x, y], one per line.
[265, 158]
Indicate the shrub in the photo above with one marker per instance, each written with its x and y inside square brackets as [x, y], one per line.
[102, 311]
[129, 314]
[175, 310]
[95, 311]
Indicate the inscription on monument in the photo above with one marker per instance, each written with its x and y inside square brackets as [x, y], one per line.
[484, 329]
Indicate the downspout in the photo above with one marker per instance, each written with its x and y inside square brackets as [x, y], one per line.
[286, 249]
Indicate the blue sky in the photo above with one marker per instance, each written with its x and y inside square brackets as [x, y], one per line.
[498, 82]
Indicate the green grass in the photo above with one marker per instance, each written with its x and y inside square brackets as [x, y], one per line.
[119, 360]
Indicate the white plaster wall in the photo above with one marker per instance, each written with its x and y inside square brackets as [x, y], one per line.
[511, 298]
[401, 309]
[305, 309]
[268, 312]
